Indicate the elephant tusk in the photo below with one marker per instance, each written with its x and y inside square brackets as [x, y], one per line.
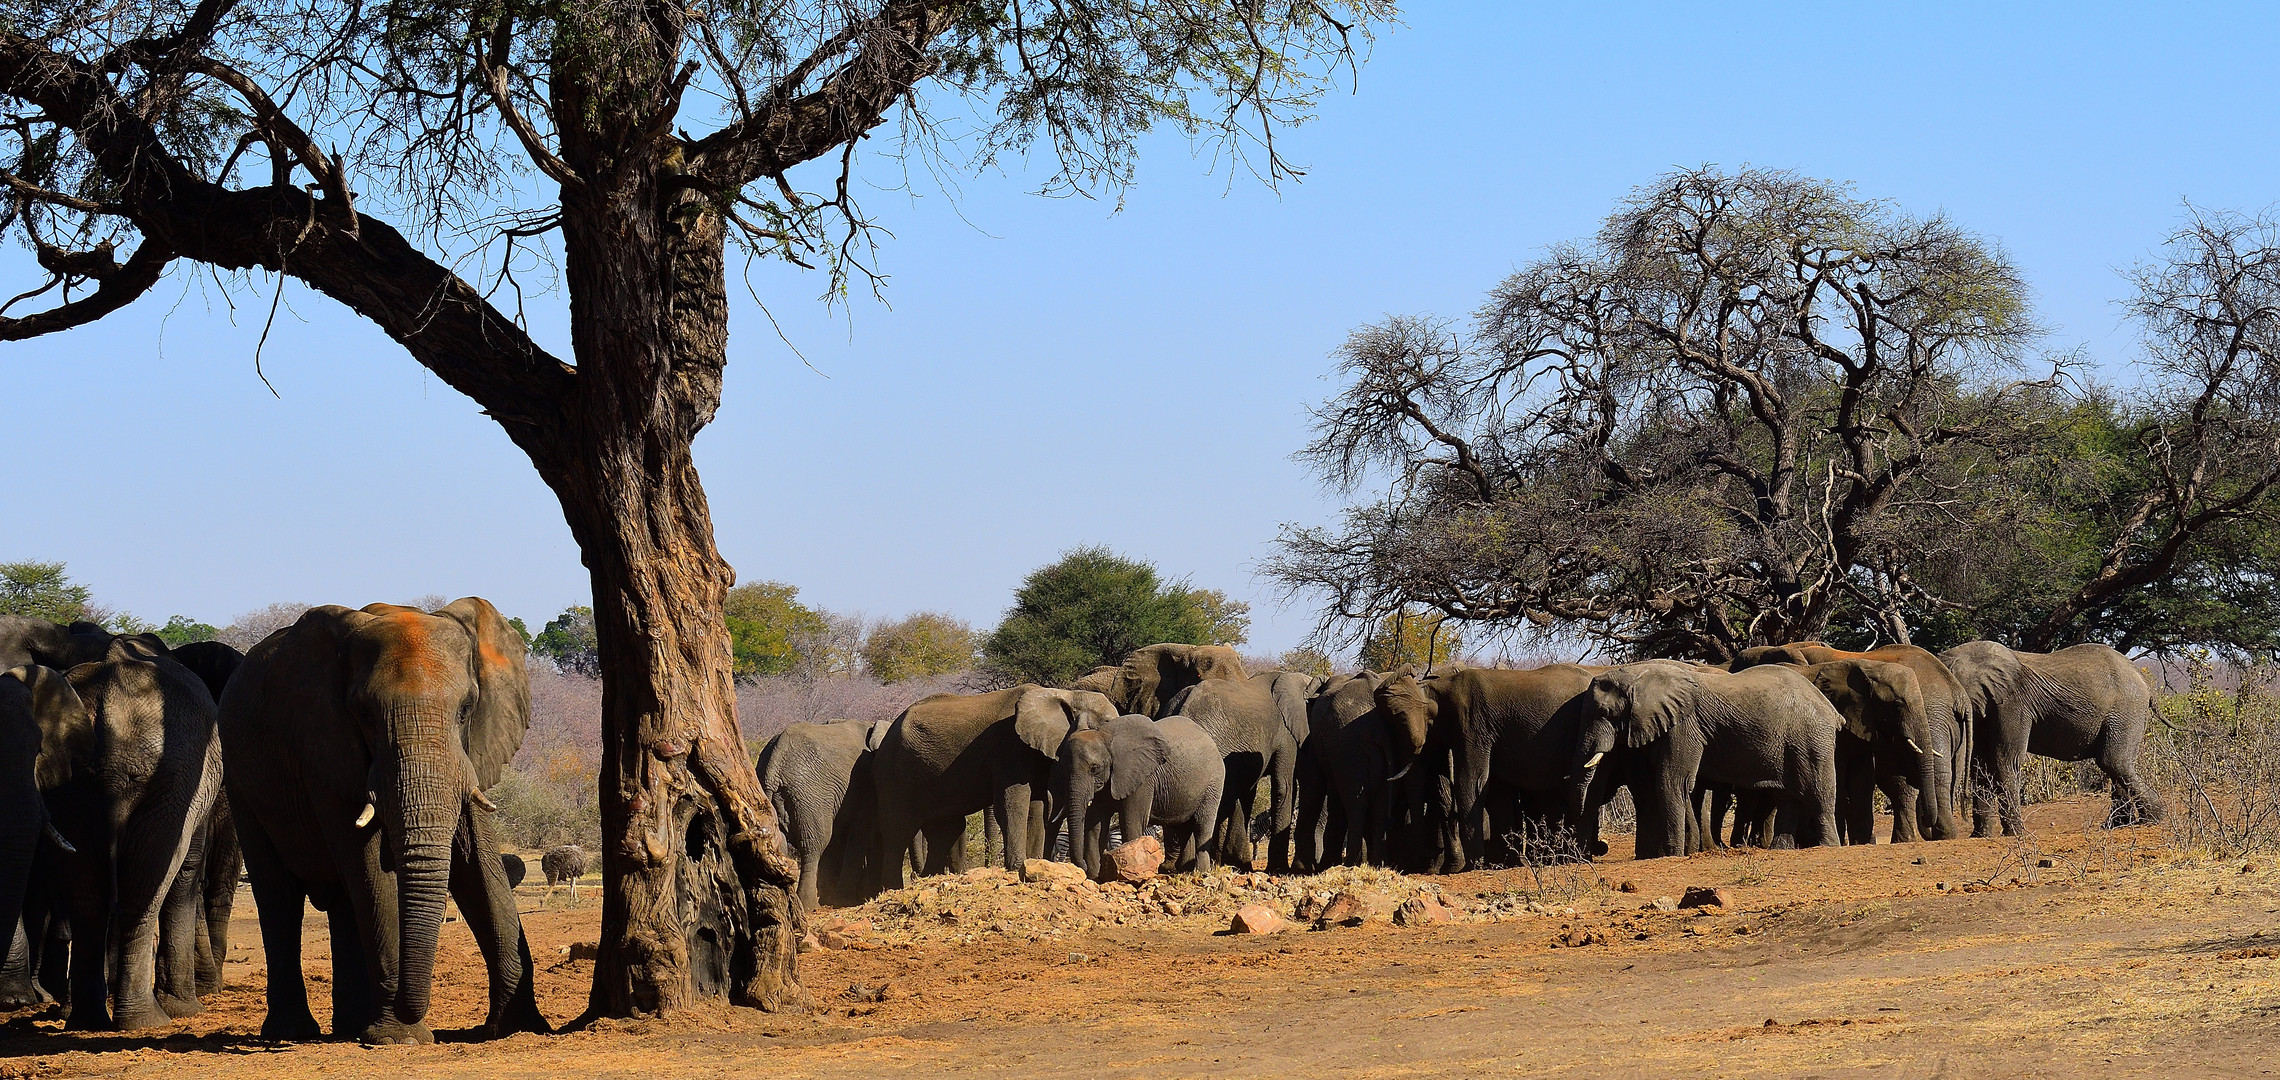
[483, 801]
[60, 841]
[1404, 771]
[365, 817]
[1594, 762]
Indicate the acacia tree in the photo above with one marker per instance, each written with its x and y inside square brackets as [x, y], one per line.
[408, 157]
[2203, 453]
[1753, 401]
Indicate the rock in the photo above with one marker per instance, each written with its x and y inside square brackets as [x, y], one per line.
[811, 942]
[1350, 908]
[1422, 910]
[832, 939]
[1310, 906]
[1174, 908]
[2245, 868]
[1135, 861]
[1942, 886]
[1628, 886]
[1662, 903]
[1703, 896]
[988, 874]
[2049, 863]
[584, 950]
[1049, 872]
[1255, 919]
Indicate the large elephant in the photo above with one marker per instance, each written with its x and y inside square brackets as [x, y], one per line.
[818, 777]
[360, 742]
[949, 755]
[1513, 729]
[2086, 702]
[1886, 741]
[220, 862]
[125, 822]
[1153, 675]
[1259, 723]
[47, 741]
[1674, 726]
[1148, 772]
[1351, 757]
[1937, 812]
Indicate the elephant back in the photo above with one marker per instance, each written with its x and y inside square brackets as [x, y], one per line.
[1986, 672]
[1151, 676]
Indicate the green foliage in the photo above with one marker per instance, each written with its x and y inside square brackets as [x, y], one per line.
[1313, 662]
[41, 590]
[569, 641]
[552, 801]
[768, 626]
[1089, 608]
[927, 643]
[1228, 621]
[522, 629]
[182, 630]
[1420, 640]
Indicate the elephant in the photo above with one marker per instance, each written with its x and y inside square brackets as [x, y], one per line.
[360, 742]
[221, 862]
[1259, 724]
[2084, 702]
[818, 777]
[1936, 812]
[1366, 732]
[124, 816]
[1153, 675]
[949, 755]
[564, 865]
[47, 742]
[1679, 726]
[1513, 729]
[1149, 772]
[515, 868]
[1886, 741]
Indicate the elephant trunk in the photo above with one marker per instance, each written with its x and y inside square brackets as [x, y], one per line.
[1077, 800]
[429, 791]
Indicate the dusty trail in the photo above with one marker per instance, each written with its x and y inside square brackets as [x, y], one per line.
[2119, 959]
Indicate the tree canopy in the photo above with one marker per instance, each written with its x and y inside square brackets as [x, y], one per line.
[42, 590]
[1088, 608]
[916, 646]
[1757, 408]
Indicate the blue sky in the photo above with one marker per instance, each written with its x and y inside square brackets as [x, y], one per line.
[1054, 372]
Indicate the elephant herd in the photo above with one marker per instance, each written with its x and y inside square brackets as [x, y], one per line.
[344, 759]
[1445, 772]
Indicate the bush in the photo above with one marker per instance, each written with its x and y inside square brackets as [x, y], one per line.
[1090, 608]
[2214, 756]
[921, 645]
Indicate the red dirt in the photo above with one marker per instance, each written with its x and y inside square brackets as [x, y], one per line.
[2121, 958]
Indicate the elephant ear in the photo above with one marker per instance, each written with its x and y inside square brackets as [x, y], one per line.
[1291, 691]
[1042, 718]
[213, 663]
[1655, 698]
[1090, 709]
[878, 733]
[501, 713]
[1136, 753]
[67, 728]
[1846, 685]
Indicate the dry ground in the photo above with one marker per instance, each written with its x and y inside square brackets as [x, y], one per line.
[2120, 958]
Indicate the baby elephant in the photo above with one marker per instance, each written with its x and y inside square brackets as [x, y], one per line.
[565, 864]
[1165, 772]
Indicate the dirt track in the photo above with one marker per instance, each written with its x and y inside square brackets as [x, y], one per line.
[2121, 958]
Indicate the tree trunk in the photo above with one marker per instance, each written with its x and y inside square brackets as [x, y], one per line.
[698, 892]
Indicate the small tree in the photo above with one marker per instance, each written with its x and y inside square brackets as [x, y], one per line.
[928, 643]
[41, 590]
[1227, 621]
[1306, 661]
[247, 630]
[183, 630]
[569, 641]
[1087, 609]
[766, 626]
[1420, 640]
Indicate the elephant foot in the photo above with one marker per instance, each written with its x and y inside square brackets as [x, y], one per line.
[138, 1016]
[177, 1008]
[22, 995]
[207, 989]
[284, 1028]
[391, 1033]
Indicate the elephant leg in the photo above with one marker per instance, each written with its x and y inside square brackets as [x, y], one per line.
[943, 839]
[1282, 774]
[1013, 823]
[993, 839]
[147, 867]
[1901, 792]
[224, 864]
[180, 915]
[479, 886]
[1311, 819]
[2134, 802]
[356, 1003]
[1663, 815]
[1856, 790]
[1199, 838]
[278, 901]
[2010, 781]
[1036, 829]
